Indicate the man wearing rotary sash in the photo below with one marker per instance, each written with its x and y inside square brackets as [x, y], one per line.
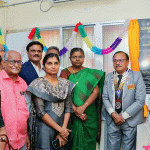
[123, 97]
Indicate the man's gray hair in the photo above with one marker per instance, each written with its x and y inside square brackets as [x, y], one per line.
[5, 56]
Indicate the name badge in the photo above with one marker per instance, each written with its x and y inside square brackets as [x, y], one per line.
[132, 86]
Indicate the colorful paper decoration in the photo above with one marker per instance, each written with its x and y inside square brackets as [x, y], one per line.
[2, 41]
[79, 27]
[95, 49]
[69, 43]
[38, 35]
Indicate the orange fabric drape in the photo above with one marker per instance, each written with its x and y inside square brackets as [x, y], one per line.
[134, 45]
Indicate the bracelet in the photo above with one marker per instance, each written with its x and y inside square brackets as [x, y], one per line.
[87, 104]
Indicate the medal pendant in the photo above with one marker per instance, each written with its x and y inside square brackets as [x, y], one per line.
[118, 104]
[76, 82]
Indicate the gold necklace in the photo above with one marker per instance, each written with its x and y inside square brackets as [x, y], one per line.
[75, 76]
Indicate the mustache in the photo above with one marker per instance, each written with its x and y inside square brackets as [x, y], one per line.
[118, 65]
[36, 55]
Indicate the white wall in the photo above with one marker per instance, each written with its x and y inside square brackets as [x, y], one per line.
[3, 21]
[29, 15]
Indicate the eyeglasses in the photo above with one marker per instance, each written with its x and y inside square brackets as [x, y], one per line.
[13, 62]
[80, 57]
[119, 60]
[2, 50]
[34, 51]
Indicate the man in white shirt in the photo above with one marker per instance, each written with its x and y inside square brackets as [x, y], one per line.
[33, 68]
[123, 97]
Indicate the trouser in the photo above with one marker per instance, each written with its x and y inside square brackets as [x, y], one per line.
[123, 133]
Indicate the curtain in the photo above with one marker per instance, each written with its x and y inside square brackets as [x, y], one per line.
[134, 46]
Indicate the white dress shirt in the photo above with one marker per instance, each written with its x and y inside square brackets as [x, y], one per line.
[41, 72]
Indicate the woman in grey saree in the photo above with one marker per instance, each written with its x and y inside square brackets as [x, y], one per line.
[52, 101]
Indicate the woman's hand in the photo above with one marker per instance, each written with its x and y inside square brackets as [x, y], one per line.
[74, 108]
[80, 110]
[64, 133]
[83, 117]
[62, 142]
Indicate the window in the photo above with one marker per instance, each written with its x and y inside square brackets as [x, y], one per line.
[51, 38]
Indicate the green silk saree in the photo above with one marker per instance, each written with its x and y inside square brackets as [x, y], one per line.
[84, 134]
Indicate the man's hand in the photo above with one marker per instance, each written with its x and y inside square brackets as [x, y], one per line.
[28, 143]
[118, 119]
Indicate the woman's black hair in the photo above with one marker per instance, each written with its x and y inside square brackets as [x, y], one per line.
[76, 49]
[52, 47]
[50, 55]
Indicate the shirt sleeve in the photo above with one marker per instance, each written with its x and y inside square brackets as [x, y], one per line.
[1, 120]
[39, 106]
[125, 115]
[68, 102]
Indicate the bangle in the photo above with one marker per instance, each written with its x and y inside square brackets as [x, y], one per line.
[87, 104]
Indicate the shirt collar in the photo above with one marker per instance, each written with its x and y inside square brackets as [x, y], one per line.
[36, 66]
[122, 74]
[5, 76]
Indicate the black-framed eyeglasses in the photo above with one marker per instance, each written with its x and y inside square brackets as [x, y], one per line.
[80, 57]
[2, 50]
[13, 62]
[118, 60]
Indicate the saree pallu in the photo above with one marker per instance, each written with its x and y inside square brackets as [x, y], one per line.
[84, 134]
[56, 101]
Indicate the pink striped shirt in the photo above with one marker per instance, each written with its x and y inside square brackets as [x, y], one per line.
[14, 109]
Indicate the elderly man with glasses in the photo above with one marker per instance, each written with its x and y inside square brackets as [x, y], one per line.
[123, 97]
[13, 104]
[2, 126]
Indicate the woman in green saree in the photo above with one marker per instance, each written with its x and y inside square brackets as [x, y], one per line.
[89, 84]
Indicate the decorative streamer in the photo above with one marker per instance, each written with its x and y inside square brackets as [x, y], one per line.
[3, 42]
[69, 43]
[32, 33]
[125, 28]
[93, 48]
[28, 39]
[38, 35]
